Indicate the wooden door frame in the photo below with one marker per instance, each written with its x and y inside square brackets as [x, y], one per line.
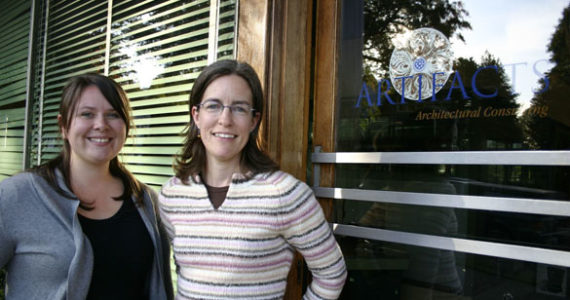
[327, 36]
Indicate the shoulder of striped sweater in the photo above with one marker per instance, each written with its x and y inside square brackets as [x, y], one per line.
[277, 178]
[170, 182]
[173, 182]
[283, 181]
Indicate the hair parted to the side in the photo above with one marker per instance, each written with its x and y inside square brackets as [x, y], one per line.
[192, 160]
[118, 99]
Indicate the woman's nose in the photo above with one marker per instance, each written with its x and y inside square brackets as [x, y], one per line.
[225, 116]
[100, 122]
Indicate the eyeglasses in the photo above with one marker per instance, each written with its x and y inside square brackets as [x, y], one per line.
[237, 110]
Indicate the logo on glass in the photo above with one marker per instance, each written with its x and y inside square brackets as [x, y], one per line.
[421, 63]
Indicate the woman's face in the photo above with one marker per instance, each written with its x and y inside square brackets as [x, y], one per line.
[96, 132]
[225, 133]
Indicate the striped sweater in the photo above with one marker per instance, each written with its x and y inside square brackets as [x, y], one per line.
[244, 249]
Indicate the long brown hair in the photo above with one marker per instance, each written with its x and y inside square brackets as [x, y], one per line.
[117, 97]
[192, 160]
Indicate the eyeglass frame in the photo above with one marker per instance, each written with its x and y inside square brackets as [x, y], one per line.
[231, 107]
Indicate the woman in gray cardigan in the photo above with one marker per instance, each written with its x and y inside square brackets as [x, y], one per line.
[81, 226]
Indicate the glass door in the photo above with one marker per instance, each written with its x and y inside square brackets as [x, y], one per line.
[443, 130]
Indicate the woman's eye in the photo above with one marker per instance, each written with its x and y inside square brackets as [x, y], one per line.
[113, 115]
[86, 114]
[241, 109]
[212, 106]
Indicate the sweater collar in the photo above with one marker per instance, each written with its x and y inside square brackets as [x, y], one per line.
[236, 177]
[61, 183]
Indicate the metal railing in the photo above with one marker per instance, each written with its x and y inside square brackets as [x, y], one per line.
[550, 207]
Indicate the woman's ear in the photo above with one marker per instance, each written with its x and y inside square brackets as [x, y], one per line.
[61, 126]
[254, 121]
[196, 116]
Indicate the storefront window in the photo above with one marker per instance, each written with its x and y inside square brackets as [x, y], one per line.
[13, 84]
[395, 271]
[448, 76]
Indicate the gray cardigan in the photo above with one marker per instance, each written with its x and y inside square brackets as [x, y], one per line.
[45, 251]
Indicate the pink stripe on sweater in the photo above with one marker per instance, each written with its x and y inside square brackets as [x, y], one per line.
[235, 266]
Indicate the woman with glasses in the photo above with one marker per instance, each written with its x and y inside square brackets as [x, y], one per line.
[234, 219]
[81, 226]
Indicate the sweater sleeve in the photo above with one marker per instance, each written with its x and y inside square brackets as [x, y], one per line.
[306, 229]
[6, 242]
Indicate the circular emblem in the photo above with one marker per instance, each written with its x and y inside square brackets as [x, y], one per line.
[416, 58]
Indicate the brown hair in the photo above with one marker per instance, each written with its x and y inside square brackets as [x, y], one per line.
[192, 160]
[117, 97]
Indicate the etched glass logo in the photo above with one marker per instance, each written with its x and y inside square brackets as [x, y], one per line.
[421, 63]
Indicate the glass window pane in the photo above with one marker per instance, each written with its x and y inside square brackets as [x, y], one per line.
[494, 89]
[447, 76]
[74, 44]
[381, 270]
[158, 49]
[14, 65]
[543, 231]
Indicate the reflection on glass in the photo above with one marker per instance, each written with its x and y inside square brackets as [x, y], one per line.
[507, 89]
[426, 268]
[387, 271]
[475, 105]
[144, 67]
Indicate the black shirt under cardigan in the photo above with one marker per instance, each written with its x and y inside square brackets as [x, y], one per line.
[123, 254]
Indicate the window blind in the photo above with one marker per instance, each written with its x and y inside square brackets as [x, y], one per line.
[227, 29]
[12, 141]
[75, 44]
[13, 63]
[158, 48]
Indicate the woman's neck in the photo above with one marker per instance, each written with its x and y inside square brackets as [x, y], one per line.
[219, 175]
[83, 176]
[96, 188]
